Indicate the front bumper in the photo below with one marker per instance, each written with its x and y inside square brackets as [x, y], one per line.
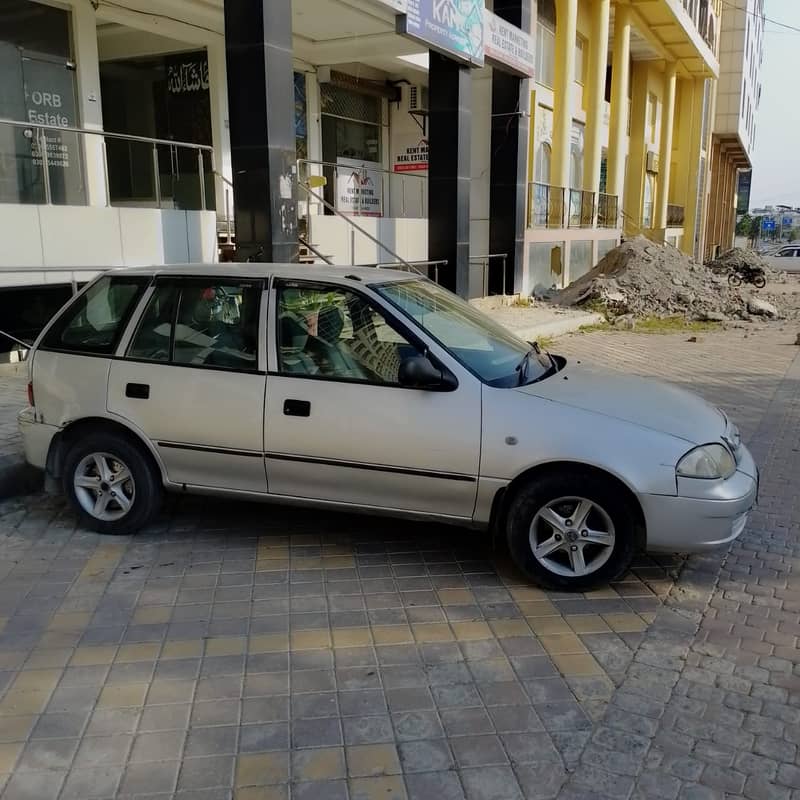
[691, 522]
[36, 437]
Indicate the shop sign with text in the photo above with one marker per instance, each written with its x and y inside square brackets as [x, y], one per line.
[507, 45]
[454, 27]
[413, 158]
[359, 189]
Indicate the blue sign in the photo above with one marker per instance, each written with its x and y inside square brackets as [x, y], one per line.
[767, 224]
[787, 222]
[453, 27]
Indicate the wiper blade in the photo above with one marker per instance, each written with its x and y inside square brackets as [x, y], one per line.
[522, 367]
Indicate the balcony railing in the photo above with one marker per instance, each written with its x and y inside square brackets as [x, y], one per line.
[545, 206]
[675, 216]
[607, 211]
[47, 166]
[705, 20]
[581, 209]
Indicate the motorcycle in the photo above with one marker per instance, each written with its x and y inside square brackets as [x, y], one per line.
[753, 275]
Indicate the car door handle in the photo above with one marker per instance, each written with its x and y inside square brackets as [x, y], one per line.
[297, 408]
[140, 391]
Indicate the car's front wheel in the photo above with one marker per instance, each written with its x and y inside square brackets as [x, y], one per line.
[571, 530]
[111, 483]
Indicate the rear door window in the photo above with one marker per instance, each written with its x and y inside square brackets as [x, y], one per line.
[201, 324]
[95, 321]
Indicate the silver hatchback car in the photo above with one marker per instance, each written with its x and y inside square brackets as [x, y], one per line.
[374, 390]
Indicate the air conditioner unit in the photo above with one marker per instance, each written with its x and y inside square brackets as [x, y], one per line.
[418, 98]
[652, 161]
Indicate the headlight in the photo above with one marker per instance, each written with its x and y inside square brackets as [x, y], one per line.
[709, 461]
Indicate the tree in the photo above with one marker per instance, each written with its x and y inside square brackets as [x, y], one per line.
[744, 226]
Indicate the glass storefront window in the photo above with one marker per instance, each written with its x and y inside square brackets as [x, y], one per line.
[351, 139]
[38, 87]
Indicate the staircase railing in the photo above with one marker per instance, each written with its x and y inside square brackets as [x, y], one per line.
[356, 227]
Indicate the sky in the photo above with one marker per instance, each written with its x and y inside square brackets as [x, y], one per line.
[776, 160]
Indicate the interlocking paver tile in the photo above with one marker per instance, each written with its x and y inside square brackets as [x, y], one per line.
[225, 636]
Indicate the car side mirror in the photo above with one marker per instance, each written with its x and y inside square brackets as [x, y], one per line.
[417, 372]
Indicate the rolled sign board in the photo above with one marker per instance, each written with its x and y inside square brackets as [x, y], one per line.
[508, 46]
[451, 27]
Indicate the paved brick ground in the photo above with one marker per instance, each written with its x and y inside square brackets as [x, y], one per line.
[255, 652]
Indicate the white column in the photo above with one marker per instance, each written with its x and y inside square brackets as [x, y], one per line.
[220, 133]
[90, 109]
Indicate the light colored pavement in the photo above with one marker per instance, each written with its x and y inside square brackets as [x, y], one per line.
[253, 652]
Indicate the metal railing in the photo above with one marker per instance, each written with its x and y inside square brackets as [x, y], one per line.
[355, 228]
[676, 216]
[484, 262]
[427, 264]
[363, 190]
[607, 211]
[704, 19]
[137, 170]
[581, 209]
[545, 206]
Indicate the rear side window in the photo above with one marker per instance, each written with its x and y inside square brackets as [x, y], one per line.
[95, 322]
[201, 325]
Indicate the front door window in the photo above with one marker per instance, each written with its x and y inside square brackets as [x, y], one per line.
[338, 334]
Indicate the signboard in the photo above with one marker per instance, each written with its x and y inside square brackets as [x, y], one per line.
[508, 45]
[743, 192]
[413, 158]
[359, 190]
[187, 73]
[50, 100]
[786, 222]
[453, 27]
[767, 224]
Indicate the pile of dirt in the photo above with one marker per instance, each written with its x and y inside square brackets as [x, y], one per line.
[641, 278]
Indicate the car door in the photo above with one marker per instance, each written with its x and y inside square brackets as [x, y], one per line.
[190, 380]
[340, 427]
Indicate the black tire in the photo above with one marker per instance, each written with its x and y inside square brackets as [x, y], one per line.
[759, 281]
[146, 494]
[534, 496]
[734, 279]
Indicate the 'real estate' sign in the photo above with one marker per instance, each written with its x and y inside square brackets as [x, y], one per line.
[453, 27]
[508, 45]
[413, 158]
[359, 190]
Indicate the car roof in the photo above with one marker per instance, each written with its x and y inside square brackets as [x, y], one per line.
[364, 275]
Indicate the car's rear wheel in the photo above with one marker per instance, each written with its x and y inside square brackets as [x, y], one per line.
[571, 530]
[112, 483]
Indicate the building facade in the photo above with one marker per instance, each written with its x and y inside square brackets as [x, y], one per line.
[152, 132]
[738, 99]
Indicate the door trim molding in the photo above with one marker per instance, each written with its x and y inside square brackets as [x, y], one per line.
[330, 462]
[223, 451]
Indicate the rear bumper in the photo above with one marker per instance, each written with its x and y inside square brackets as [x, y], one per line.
[695, 524]
[36, 437]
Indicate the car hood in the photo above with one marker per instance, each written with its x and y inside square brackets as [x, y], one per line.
[639, 401]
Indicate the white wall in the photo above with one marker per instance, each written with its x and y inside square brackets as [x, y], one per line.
[408, 238]
[77, 236]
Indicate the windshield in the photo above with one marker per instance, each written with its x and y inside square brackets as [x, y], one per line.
[485, 347]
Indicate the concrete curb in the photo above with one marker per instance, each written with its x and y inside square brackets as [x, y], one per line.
[558, 327]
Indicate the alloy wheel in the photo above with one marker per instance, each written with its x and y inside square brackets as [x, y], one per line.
[572, 536]
[104, 486]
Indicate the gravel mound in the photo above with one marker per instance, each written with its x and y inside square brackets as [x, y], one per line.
[641, 278]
